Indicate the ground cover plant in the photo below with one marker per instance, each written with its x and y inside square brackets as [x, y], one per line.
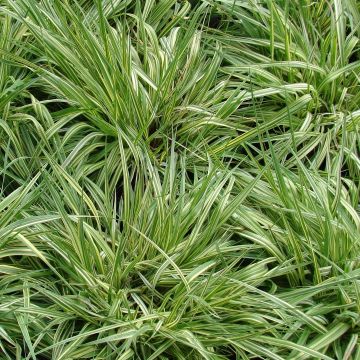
[179, 179]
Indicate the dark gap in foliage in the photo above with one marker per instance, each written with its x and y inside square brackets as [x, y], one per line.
[7, 187]
[215, 21]
[194, 3]
[190, 176]
[155, 143]
[119, 191]
[41, 94]
[347, 173]
[245, 261]
[112, 22]
[354, 57]
[280, 281]
[121, 225]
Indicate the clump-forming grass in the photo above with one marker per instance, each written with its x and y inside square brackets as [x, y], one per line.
[179, 180]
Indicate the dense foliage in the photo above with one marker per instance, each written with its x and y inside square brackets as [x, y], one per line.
[179, 179]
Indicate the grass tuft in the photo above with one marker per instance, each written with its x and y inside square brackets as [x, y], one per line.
[179, 179]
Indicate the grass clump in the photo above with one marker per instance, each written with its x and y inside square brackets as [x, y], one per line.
[179, 180]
